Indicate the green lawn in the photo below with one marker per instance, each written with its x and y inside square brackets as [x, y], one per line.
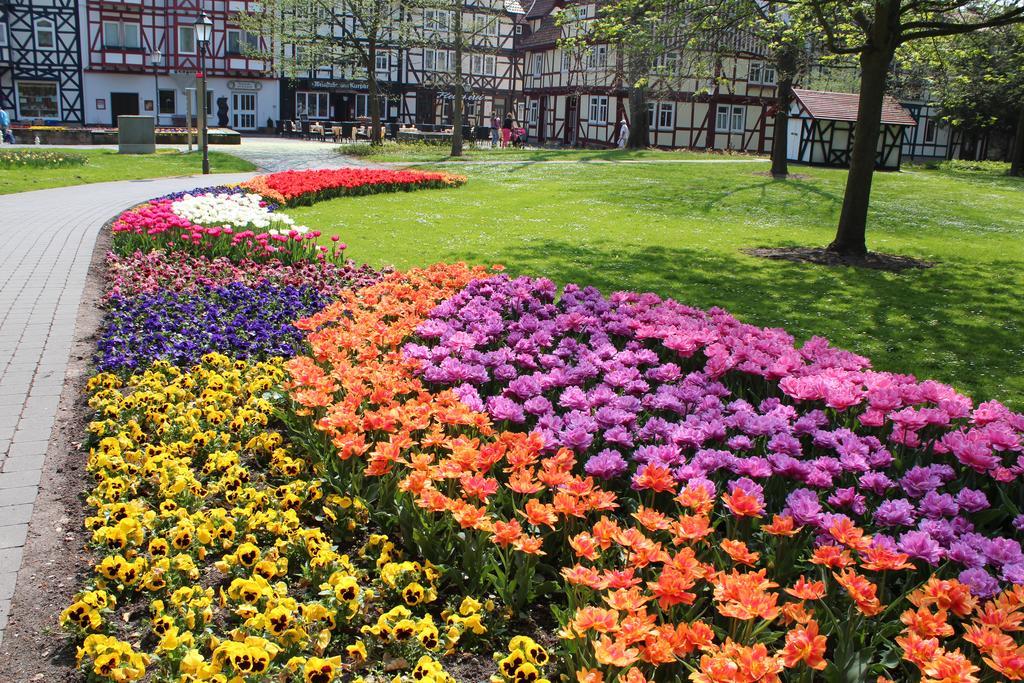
[104, 165]
[677, 229]
[392, 151]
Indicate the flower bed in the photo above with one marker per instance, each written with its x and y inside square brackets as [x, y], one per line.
[146, 272]
[295, 188]
[242, 223]
[245, 322]
[781, 510]
[461, 463]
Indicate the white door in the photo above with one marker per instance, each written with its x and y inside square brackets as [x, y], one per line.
[243, 111]
[793, 139]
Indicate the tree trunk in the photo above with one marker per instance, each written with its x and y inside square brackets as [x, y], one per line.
[850, 237]
[1017, 158]
[780, 136]
[373, 92]
[459, 94]
[785, 67]
[639, 127]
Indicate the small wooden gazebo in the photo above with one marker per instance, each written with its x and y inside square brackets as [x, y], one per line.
[821, 129]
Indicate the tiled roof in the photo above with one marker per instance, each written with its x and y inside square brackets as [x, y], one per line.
[538, 8]
[548, 34]
[840, 106]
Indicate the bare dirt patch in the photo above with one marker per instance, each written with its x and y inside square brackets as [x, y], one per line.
[872, 260]
[56, 563]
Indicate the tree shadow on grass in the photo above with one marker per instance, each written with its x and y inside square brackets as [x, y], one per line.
[958, 323]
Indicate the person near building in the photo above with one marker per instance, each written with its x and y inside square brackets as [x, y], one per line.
[495, 130]
[623, 133]
[5, 127]
[506, 129]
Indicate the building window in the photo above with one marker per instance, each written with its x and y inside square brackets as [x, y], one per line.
[538, 65]
[598, 57]
[382, 62]
[485, 25]
[598, 109]
[483, 65]
[565, 60]
[242, 42]
[363, 106]
[668, 62]
[3, 34]
[312, 105]
[186, 40]
[534, 112]
[739, 119]
[722, 119]
[470, 110]
[436, 20]
[437, 60]
[119, 35]
[930, 130]
[46, 36]
[167, 102]
[666, 115]
[761, 73]
[38, 100]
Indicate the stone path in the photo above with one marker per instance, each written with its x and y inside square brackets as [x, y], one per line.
[48, 238]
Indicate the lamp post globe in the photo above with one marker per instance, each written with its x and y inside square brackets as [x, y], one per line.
[204, 32]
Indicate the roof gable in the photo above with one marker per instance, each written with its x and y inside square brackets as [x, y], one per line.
[841, 106]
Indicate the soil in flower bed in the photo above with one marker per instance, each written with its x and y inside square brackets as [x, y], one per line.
[873, 260]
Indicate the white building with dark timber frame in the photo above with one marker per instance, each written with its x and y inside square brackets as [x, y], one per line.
[40, 61]
[821, 128]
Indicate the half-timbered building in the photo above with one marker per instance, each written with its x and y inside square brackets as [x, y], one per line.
[40, 66]
[141, 55]
[415, 70]
[821, 127]
[931, 139]
[578, 97]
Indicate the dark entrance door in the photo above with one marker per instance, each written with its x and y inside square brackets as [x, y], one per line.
[572, 117]
[123, 104]
[542, 109]
[424, 107]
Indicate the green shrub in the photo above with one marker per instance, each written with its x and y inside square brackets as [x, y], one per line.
[961, 166]
[365, 149]
[39, 158]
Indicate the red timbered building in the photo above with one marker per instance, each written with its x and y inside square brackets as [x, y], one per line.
[141, 55]
[40, 68]
[578, 98]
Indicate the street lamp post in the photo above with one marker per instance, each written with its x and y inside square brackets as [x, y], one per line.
[156, 58]
[204, 31]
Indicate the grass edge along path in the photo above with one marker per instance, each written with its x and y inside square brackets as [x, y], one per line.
[104, 165]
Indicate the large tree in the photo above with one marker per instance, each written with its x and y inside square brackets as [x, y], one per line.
[873, 31]
[305, 36]
[977, 80]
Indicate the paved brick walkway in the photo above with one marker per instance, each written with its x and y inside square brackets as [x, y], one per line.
[48, 238]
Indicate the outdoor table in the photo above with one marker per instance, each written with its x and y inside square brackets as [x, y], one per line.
[316, 130]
